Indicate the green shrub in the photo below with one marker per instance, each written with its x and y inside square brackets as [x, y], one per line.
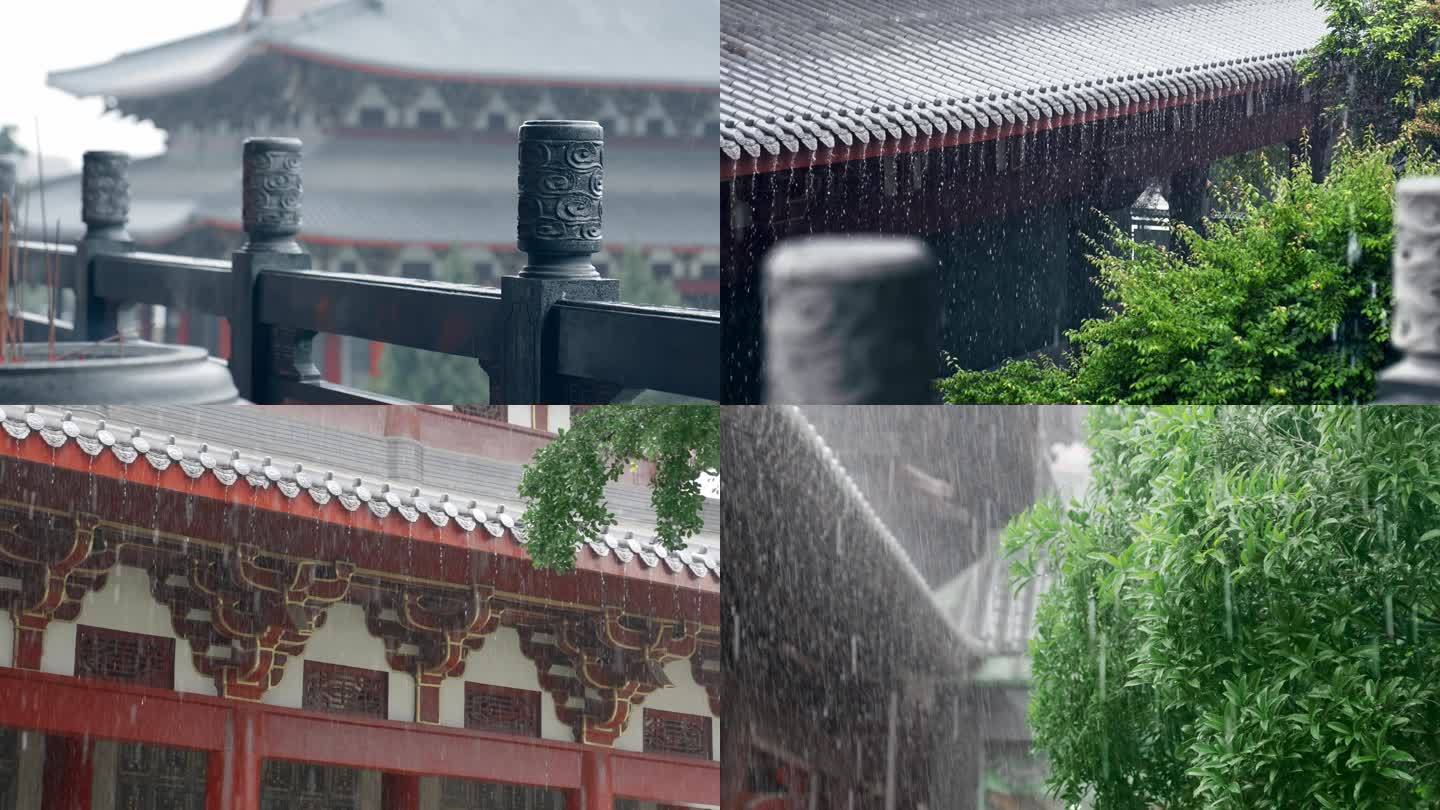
[1244, 611]
[1286, 303]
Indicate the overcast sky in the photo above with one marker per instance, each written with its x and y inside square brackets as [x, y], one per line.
[57, 34]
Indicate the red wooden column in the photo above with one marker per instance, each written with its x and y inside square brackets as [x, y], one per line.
[244, 771]
[401, 791]
[217, 795]
[69, 772]
[29, 640]
[597, 791]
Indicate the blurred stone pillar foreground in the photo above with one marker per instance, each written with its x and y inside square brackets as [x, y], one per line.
[851, 320]
[1415, 326]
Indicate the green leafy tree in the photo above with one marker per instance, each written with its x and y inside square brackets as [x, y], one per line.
[1378, 62]
[1244, 611]
[1287, 302]
[640, 285]
[431, 377]
[564, 486]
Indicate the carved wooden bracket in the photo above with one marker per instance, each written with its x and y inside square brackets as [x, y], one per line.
[258, 610]
[428, 632]
[705, 668]
[597, 668]
[56, 560]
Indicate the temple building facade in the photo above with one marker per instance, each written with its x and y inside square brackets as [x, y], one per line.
[408, 110]
[290, 608]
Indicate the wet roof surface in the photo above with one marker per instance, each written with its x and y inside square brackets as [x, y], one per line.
[349, 468]
[641, 41]
[805, 74]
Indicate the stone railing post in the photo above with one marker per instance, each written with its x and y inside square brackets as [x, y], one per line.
[261, 356]
[105, 210]
[850, 321]
[561, 178]
[1415, 325]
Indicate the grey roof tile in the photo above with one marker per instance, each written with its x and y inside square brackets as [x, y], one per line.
[396, 478]
[892, 69]
[653, 42]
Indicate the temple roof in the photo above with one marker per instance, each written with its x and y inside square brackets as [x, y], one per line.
[983, 602]
[373, 189]
[658, 43]
[807, 74]
[395, 478]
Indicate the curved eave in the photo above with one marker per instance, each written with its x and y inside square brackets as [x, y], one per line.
[406, 72]
[760, 147]
[172, 490]
[815, 570]
[170, 68]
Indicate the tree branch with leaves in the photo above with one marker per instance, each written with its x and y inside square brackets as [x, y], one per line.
[564, 486]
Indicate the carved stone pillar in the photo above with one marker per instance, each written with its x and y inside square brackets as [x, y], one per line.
[558, 225]
[105, 195]
[851, 320]
[1415, 328]
[562, 176]
[263, 359]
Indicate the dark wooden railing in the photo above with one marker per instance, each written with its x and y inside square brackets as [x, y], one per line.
[554, 333]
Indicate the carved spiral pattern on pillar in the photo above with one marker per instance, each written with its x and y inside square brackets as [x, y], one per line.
[272, 188]
[105, 189]
[562, 175]
[1417, 266]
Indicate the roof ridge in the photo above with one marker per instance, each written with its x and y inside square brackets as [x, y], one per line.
[57, 427]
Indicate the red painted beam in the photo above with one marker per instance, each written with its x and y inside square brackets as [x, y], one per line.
[414, 749]
[665, 779]
[240, 735]
[65, 706]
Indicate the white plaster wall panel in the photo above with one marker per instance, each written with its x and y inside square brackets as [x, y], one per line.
[520, 415]
[369, 96]
[344, 640]
[57, 651]
[125, 604]
[545, 108]
[7, 642]
[430, 99]
[559, 417]
[684, 696]
[654, 111]
[500, 663]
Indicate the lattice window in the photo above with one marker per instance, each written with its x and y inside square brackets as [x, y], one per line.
[134, 658]
[346, 690]
[465, 794]
[9, 767]
[497, 708]
[677, 733]
[301, 786]
[160, 777]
